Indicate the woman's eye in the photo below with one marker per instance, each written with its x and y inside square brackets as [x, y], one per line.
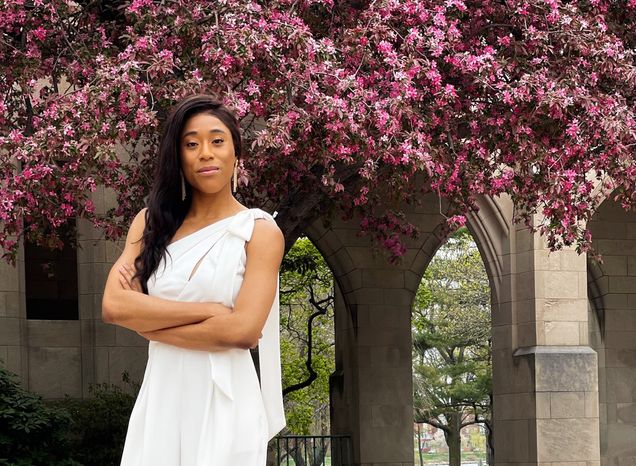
[191, 144]
[217, 141]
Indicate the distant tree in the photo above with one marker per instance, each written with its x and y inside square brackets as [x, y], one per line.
[451, 342]
[307, 338]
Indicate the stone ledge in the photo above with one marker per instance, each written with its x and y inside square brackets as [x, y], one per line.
[561, 368]
[528, 350]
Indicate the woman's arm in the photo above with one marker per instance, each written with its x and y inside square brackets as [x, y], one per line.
[126, 306]
[242, 327]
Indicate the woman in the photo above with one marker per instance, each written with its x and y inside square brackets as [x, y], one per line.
[198, 278]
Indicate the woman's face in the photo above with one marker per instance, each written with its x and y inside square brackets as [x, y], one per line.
[207, 153]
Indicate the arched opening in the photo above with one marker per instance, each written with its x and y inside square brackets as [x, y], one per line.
[371, 390]
[452, 367]
[307, 294]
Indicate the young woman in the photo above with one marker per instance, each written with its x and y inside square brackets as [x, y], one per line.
[198, 278]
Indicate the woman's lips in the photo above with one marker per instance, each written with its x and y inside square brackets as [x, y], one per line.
[206, 171]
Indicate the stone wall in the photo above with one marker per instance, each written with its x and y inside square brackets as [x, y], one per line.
[63, 357]
[13, 329]
[613, 297]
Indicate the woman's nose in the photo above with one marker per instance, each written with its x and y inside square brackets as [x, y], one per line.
[206, 150]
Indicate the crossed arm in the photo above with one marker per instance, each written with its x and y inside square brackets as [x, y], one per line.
[204, 326]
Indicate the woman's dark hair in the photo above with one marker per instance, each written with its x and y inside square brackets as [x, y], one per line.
[166, 210]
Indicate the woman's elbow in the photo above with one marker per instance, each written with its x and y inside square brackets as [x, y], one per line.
[240, 341]
[250, 340]
[109, 313]
[245, 340]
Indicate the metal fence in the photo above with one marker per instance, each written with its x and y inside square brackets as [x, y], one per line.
[313, 450]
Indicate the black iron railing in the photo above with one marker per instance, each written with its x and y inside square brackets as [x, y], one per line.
[313, 450]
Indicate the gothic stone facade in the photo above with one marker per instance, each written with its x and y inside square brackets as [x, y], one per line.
[563, 335]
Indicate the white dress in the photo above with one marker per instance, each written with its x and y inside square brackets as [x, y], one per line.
[201, 408]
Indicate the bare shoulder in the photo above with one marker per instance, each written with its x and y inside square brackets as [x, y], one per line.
[136, 231]
[268, 241]
[132, 248]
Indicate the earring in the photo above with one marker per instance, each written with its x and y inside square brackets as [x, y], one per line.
[183, 188]
[235, 176]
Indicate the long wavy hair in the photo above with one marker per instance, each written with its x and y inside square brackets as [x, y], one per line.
[165, 208]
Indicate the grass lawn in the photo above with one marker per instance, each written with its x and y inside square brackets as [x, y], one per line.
[442, 458]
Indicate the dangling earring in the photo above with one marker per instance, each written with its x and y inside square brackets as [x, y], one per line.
[183, 188]
[235, 176]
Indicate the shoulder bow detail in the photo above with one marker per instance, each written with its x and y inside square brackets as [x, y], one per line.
[243, 224]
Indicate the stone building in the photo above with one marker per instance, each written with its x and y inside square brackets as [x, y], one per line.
[564, 334]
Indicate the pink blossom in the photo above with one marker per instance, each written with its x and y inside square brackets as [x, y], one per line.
[389, 90]
[39, 33]
[384, 47]
[456, 221]
[573, 129]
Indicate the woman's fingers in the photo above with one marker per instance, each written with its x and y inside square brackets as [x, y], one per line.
[124, 278]
[134, 282]
[124, 283]
[127, 273]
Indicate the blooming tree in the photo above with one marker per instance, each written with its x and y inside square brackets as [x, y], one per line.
[342, 103]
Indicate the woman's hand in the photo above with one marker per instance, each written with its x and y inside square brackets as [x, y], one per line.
[126, 273]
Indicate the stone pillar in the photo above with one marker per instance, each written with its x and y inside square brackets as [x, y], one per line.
[613, 292]
[371, 390]
[377, 361]
[343, 410]
[13, 330]
[546, 393]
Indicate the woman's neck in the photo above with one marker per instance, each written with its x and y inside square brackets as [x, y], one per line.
[212, 206]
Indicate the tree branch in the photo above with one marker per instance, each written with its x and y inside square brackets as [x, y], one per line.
[321, 310]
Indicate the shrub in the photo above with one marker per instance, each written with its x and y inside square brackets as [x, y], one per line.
[98, 424]
[31, 433]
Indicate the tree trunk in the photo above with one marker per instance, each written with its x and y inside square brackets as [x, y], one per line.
[454, 438]
[297, 454]
[419, 443]
[490, 441]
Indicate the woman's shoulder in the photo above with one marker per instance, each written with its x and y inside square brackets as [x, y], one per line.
[140, 218]
[137, 226]
[266, 231]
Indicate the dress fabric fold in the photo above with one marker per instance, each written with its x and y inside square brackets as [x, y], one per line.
[207, 408]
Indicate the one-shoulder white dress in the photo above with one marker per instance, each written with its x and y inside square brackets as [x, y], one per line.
[201, 408]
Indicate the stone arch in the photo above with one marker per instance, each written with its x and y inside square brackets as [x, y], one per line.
[488, 226]
[371, 390]
[491, 231]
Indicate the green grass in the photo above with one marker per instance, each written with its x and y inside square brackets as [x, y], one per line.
[441, 458]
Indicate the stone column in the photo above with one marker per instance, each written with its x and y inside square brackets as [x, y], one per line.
[371, 390]
[13, 331]
[342, 384]
[613, 292]
[546, 397]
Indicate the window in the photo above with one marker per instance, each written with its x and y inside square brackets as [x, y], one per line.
[51, 279]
